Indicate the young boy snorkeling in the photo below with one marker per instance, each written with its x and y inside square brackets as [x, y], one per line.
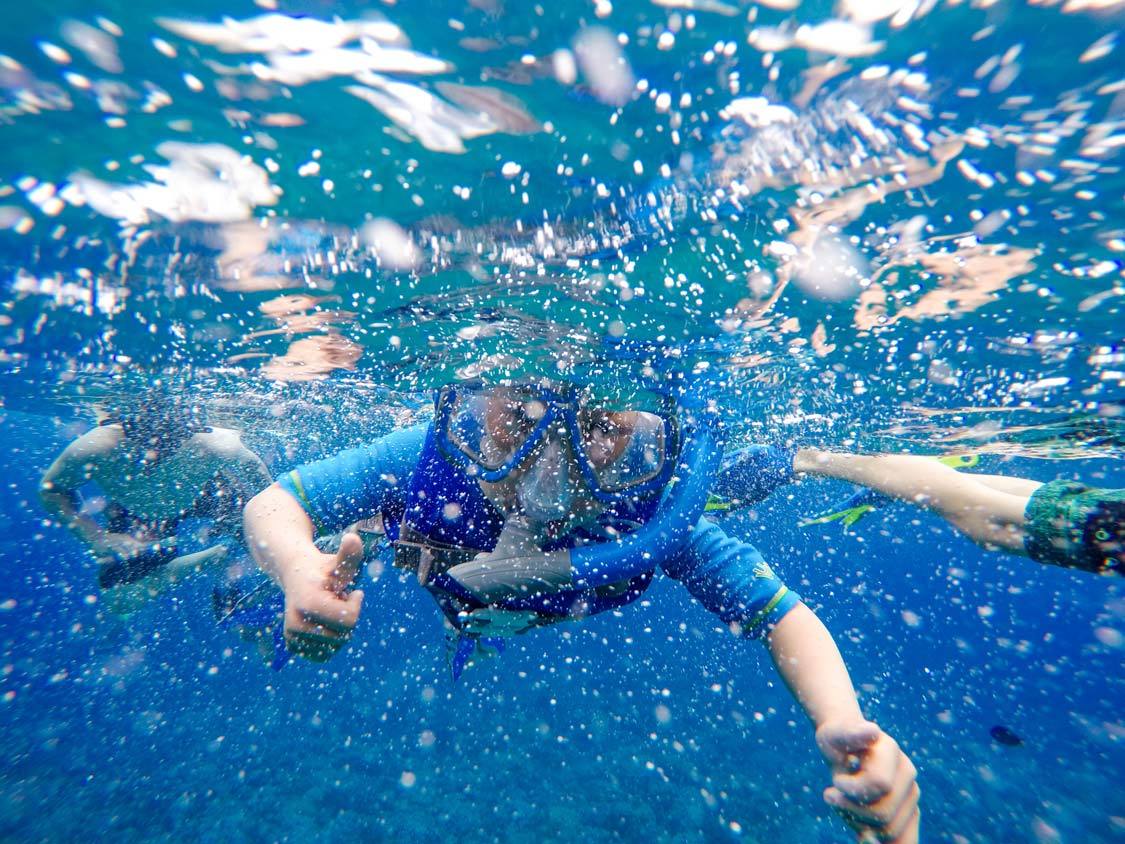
[526, 504]
[157, 465]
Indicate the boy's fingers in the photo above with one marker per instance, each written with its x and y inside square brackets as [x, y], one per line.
[314, 630]
[354, 600]
[903, 829]
[338, 619]
[883, 770]
[889, 813]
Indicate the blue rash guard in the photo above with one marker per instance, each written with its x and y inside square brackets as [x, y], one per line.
[728, 576]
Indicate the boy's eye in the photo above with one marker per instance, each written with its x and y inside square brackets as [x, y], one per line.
[602, 425]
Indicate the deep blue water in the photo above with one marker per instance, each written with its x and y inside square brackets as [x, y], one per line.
[999, 334]
[168, 728]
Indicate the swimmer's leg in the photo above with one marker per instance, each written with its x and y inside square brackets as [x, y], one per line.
[989, 512]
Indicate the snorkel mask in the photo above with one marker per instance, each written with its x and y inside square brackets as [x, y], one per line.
[621, 447]
[670, 449]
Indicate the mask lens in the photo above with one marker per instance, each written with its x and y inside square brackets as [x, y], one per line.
[623, 448]
[491, 427]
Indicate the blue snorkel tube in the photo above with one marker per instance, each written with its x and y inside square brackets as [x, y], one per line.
[684, 501]
[666, 532]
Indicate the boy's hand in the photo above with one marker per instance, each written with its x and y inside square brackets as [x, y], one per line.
[873, 785]
[319, 611]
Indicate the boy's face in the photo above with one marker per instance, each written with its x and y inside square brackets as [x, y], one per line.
[511, 417]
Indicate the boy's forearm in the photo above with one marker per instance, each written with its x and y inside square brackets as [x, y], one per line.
[278, 532]
[810, 663]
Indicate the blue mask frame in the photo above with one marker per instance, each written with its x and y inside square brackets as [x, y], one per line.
[561, 405]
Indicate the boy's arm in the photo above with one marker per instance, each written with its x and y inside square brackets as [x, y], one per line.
[750, 474]
[873, 781]
[281, 522]
[319, 611]
[731, 579]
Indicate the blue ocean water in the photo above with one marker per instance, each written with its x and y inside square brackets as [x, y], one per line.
[922, 254]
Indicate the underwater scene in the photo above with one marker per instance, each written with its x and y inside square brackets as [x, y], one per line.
[606, 420]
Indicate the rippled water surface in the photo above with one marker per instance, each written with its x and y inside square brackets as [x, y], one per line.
[871, 224]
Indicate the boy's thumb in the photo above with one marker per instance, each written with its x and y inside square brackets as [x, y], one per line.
[349, 559]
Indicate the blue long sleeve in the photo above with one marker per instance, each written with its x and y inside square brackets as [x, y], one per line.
[359, 482]
[732, 580]
[750, 474]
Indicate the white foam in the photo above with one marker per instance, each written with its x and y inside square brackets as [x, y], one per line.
[202, 182]
[757, 112]
[391, 244]
[604, 65]
[281, 33]
[438, 125]
[302, 68]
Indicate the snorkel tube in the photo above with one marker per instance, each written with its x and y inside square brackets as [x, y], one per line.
[666, 532]
[698, 463]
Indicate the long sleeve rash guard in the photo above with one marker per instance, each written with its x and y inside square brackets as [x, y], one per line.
[726, 575]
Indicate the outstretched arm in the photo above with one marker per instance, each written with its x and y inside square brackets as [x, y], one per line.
[281, 521]
[873, 781]
[319, 612]
[988, 508]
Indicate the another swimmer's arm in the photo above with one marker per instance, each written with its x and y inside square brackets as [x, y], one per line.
[58, 488]
[873, 781]
[242, 468]
[62, 504]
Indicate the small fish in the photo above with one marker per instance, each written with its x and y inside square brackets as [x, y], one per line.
[1002, 735]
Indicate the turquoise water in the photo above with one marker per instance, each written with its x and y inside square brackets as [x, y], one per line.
[922, 254]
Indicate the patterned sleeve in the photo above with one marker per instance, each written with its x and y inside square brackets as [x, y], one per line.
[732, 580]
[357, 483]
